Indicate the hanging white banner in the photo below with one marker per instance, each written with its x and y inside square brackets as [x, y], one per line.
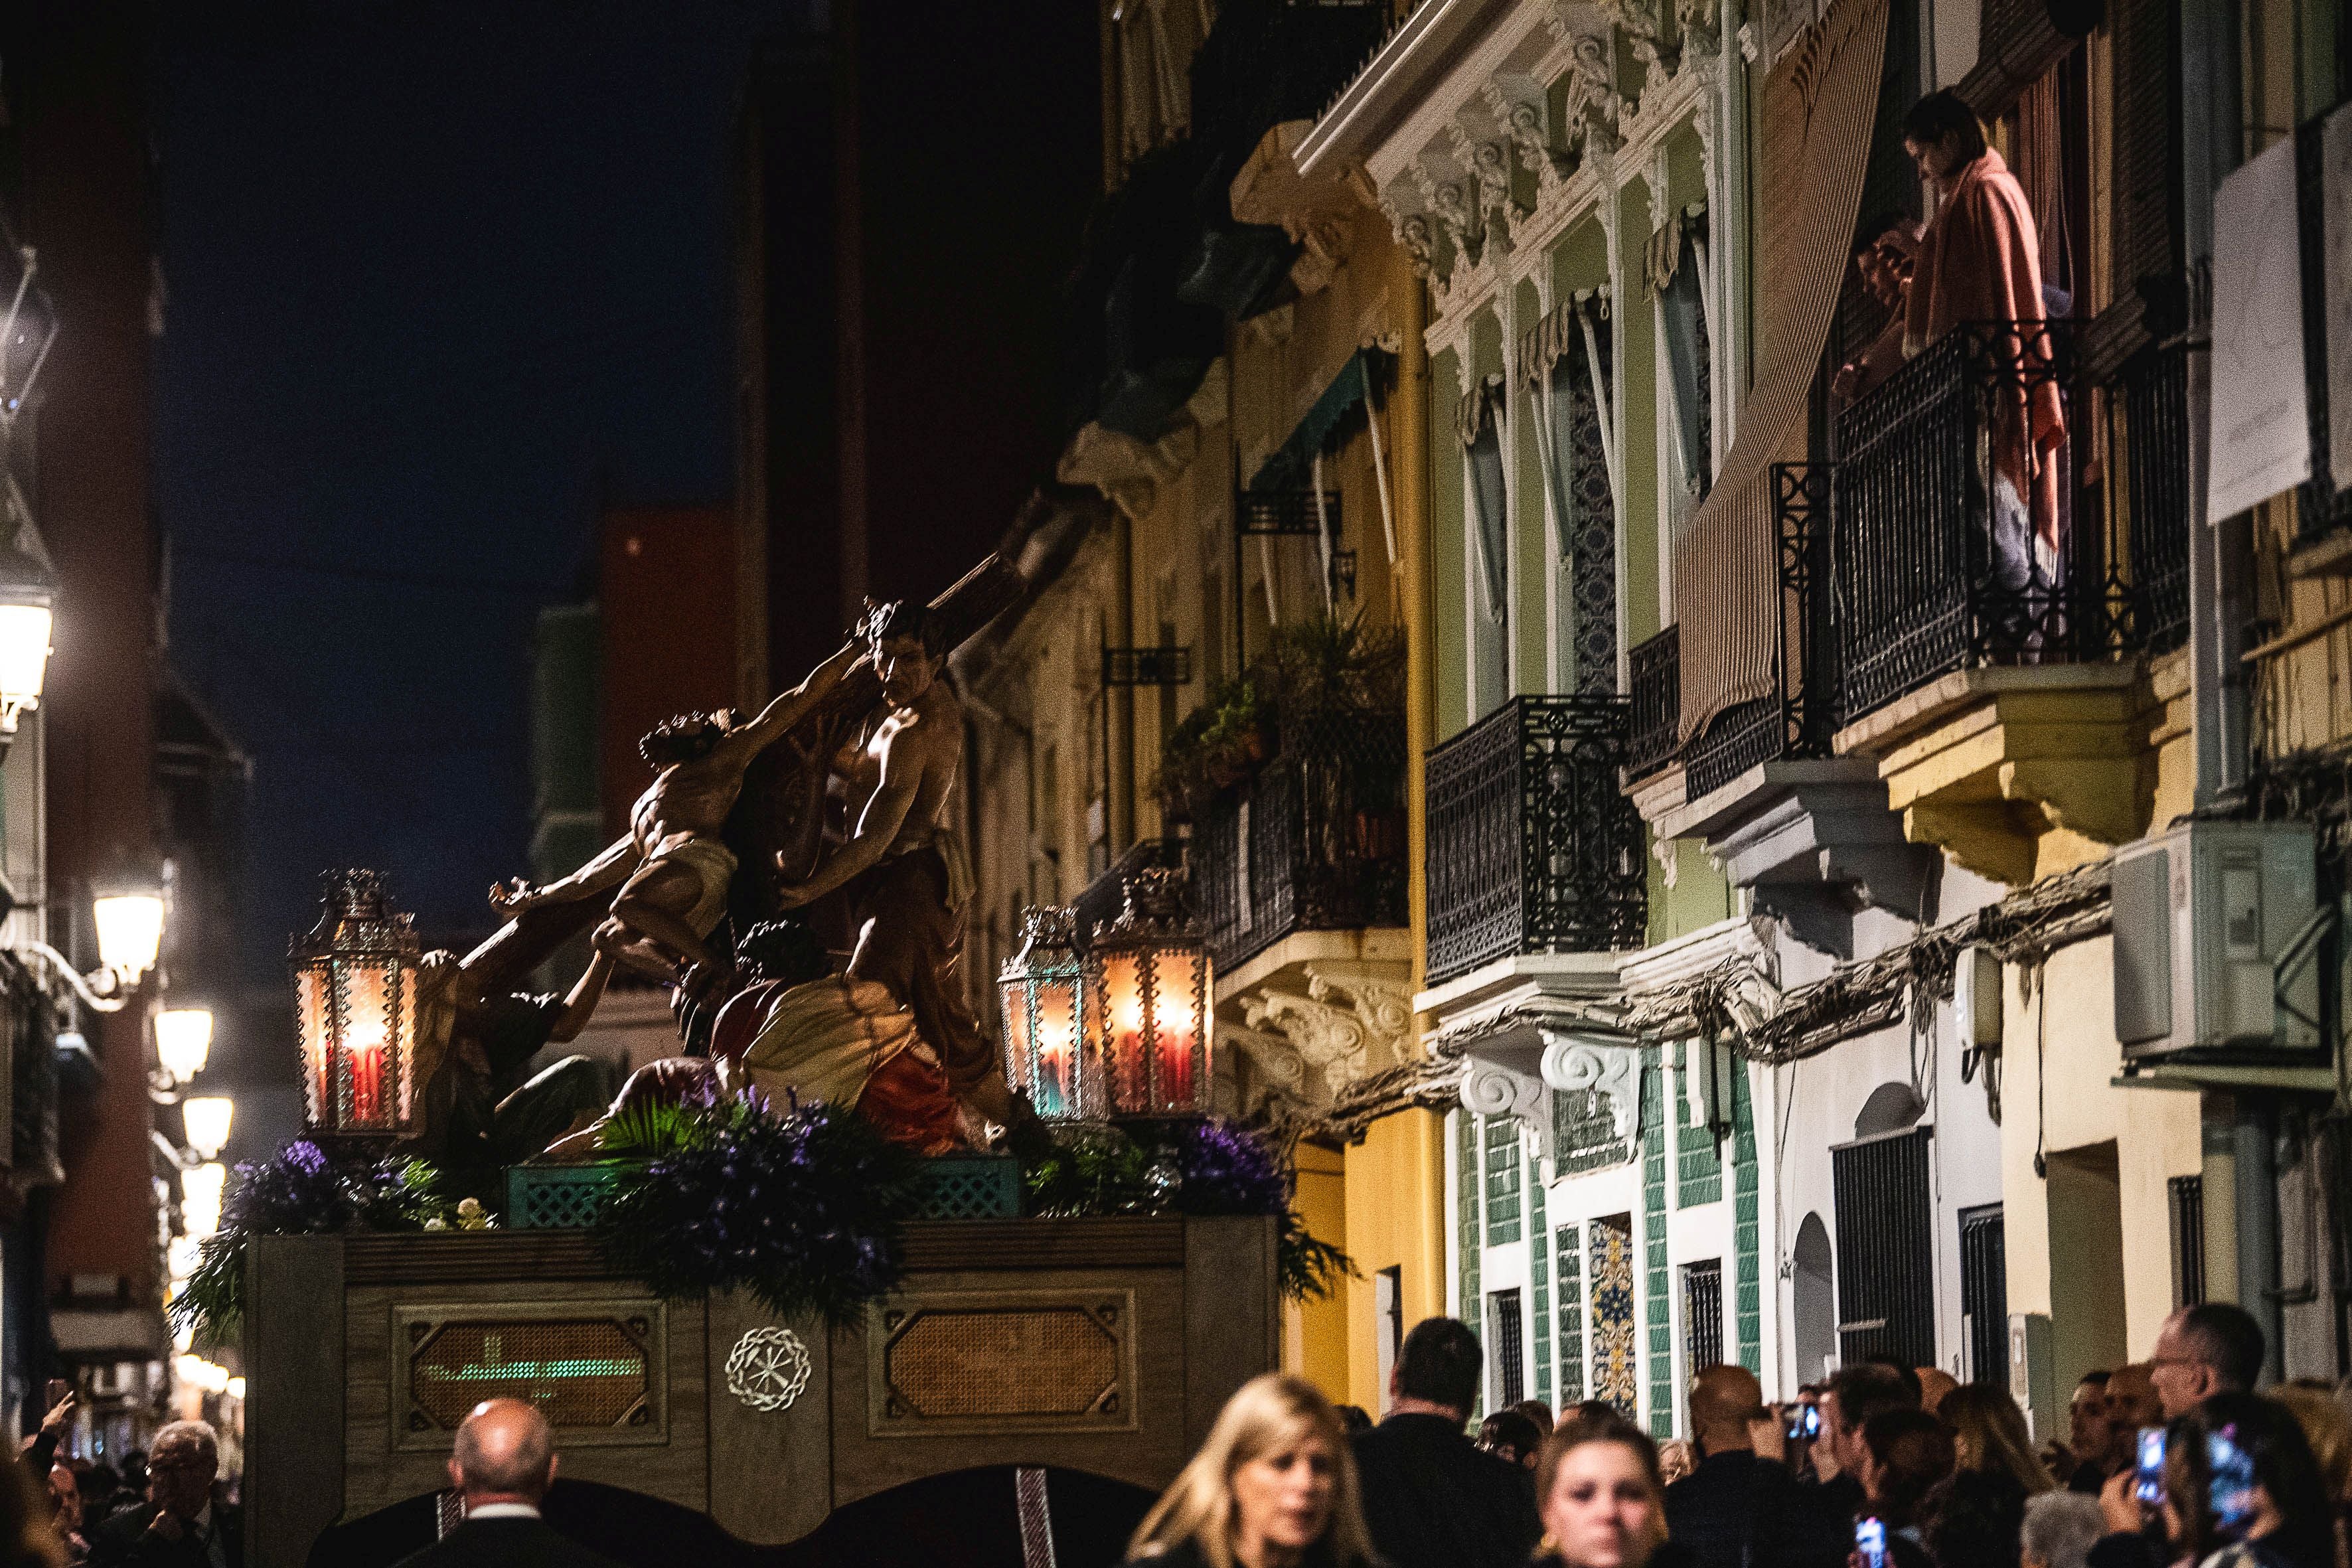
[2261, 430]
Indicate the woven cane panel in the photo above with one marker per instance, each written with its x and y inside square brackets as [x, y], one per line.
[1026, 1362]
[595, 1376]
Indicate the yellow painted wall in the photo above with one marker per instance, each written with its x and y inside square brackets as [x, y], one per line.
[1315, 1333]
[1396, 1198]
[2155, 1132]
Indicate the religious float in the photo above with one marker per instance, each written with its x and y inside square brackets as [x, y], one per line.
[837, 1282]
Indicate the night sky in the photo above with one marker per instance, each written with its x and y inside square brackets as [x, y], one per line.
[439, 276]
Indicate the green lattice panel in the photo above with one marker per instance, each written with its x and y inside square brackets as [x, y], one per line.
[1503, 1195]
[1470, 1235]
[1540, 1277]
[971, 1187]
[1699, 1158]
[556, 1198]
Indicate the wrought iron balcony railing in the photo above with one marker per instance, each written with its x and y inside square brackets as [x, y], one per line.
[1315, 841]
[1795, 720]
[1937, 564]
[1099, 902]
[1534, 846]
[2149, 404]
[1657, 670]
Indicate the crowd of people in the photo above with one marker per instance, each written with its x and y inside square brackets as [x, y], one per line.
[2171, 1462]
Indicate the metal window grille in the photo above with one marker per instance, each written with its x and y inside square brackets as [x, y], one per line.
[2185, 1197]
[1533, 844]
[2154, 405]
[1984, 1294]
[1510, 1347]
[1702, 1313]
[1657, 671]
[1886, 1249]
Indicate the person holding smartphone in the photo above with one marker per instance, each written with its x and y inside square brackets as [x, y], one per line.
[2238, 1489]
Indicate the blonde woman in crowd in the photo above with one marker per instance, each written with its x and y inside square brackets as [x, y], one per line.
[1603, 1504]
[1273, 1487]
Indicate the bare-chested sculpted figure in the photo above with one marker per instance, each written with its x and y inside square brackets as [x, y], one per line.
[901, 879]
[672, 869]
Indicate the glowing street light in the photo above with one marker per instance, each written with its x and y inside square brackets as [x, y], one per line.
[200, 1199]
[207, 1118]
[129, 934]
[184, 1041]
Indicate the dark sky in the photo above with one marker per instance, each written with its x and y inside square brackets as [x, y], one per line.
[439, 274]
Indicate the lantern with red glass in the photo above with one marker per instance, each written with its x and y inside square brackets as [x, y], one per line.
[1044, 991]
[355, 1008]
[1148, 975]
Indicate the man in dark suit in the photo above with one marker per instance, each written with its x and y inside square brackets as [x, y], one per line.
[1431, 1499]
[183, 1524]
[1742, 1509]
[503, 1465]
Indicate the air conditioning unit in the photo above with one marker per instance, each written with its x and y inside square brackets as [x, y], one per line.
[2216, 926]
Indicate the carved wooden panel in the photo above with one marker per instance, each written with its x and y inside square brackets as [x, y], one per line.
[1014, 1361]
[597, 1370]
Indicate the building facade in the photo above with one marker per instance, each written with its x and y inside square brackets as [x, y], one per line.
[1778, 975]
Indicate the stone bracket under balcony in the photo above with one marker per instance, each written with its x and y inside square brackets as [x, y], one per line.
[2017, 770]
[1320, 1010]
[1514, 1060]
[1812, 840]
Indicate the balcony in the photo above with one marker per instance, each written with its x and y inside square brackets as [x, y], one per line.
[1934, 575]
[2149, 406]
[1314, 843]
[1534, 847]
[1657, 670]
[1994, 686]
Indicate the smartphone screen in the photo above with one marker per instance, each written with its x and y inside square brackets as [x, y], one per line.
[1870, 1541]
[2150, 1485]
[2232, 1492]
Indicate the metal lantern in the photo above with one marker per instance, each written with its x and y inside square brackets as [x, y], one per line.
[1044, 988]
[355, 1007]
[1148, 975]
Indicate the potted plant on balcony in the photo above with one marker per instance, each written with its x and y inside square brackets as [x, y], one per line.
[1215, 746]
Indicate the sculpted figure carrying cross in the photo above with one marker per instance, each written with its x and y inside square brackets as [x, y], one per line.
[899, 885]
[672, 869]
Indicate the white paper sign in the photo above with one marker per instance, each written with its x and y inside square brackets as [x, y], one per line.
[2261, 430]
[2336, 259]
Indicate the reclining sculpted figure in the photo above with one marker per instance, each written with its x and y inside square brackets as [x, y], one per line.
[672, 869]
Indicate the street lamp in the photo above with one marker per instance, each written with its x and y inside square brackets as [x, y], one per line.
[1043, 987]
[355, 1008]
[130, 923]
[1148, 974]
[184, 1041]
[206, 1118]
[199, 1198]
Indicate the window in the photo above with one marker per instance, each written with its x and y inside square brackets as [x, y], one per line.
[1984, 1294]
[1509, 1336]
[1703, 1314]
[2185, 1197]
[1885, 1249]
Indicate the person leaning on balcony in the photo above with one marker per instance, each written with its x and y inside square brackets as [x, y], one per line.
[1980, 260]
[1884, 255]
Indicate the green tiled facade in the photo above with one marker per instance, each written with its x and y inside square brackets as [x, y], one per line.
[1653, 1247]
[1468, 1233]
[1568, 1250]
[1748, 1308]
[1540, 1277]
[1502, 1184]
[1698, 1158]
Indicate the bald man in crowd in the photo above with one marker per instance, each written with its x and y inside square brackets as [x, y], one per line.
[503, 1465]
[1742, 1509]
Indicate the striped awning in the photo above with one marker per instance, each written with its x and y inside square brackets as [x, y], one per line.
[1292, 464]
[1820, 107]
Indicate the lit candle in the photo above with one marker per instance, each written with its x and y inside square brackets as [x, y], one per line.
[364, 1050]
[1058, 1041]
[1179, 1023]
[1123, 1003]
